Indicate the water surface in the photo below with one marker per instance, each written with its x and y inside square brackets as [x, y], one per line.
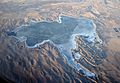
[61, 33]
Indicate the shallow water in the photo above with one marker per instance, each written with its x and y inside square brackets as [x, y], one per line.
[61, 33]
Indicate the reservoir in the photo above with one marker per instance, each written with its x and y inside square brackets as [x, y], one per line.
[62, 33]
[57, 32]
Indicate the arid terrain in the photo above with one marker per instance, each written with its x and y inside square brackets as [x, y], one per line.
[46, 63]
